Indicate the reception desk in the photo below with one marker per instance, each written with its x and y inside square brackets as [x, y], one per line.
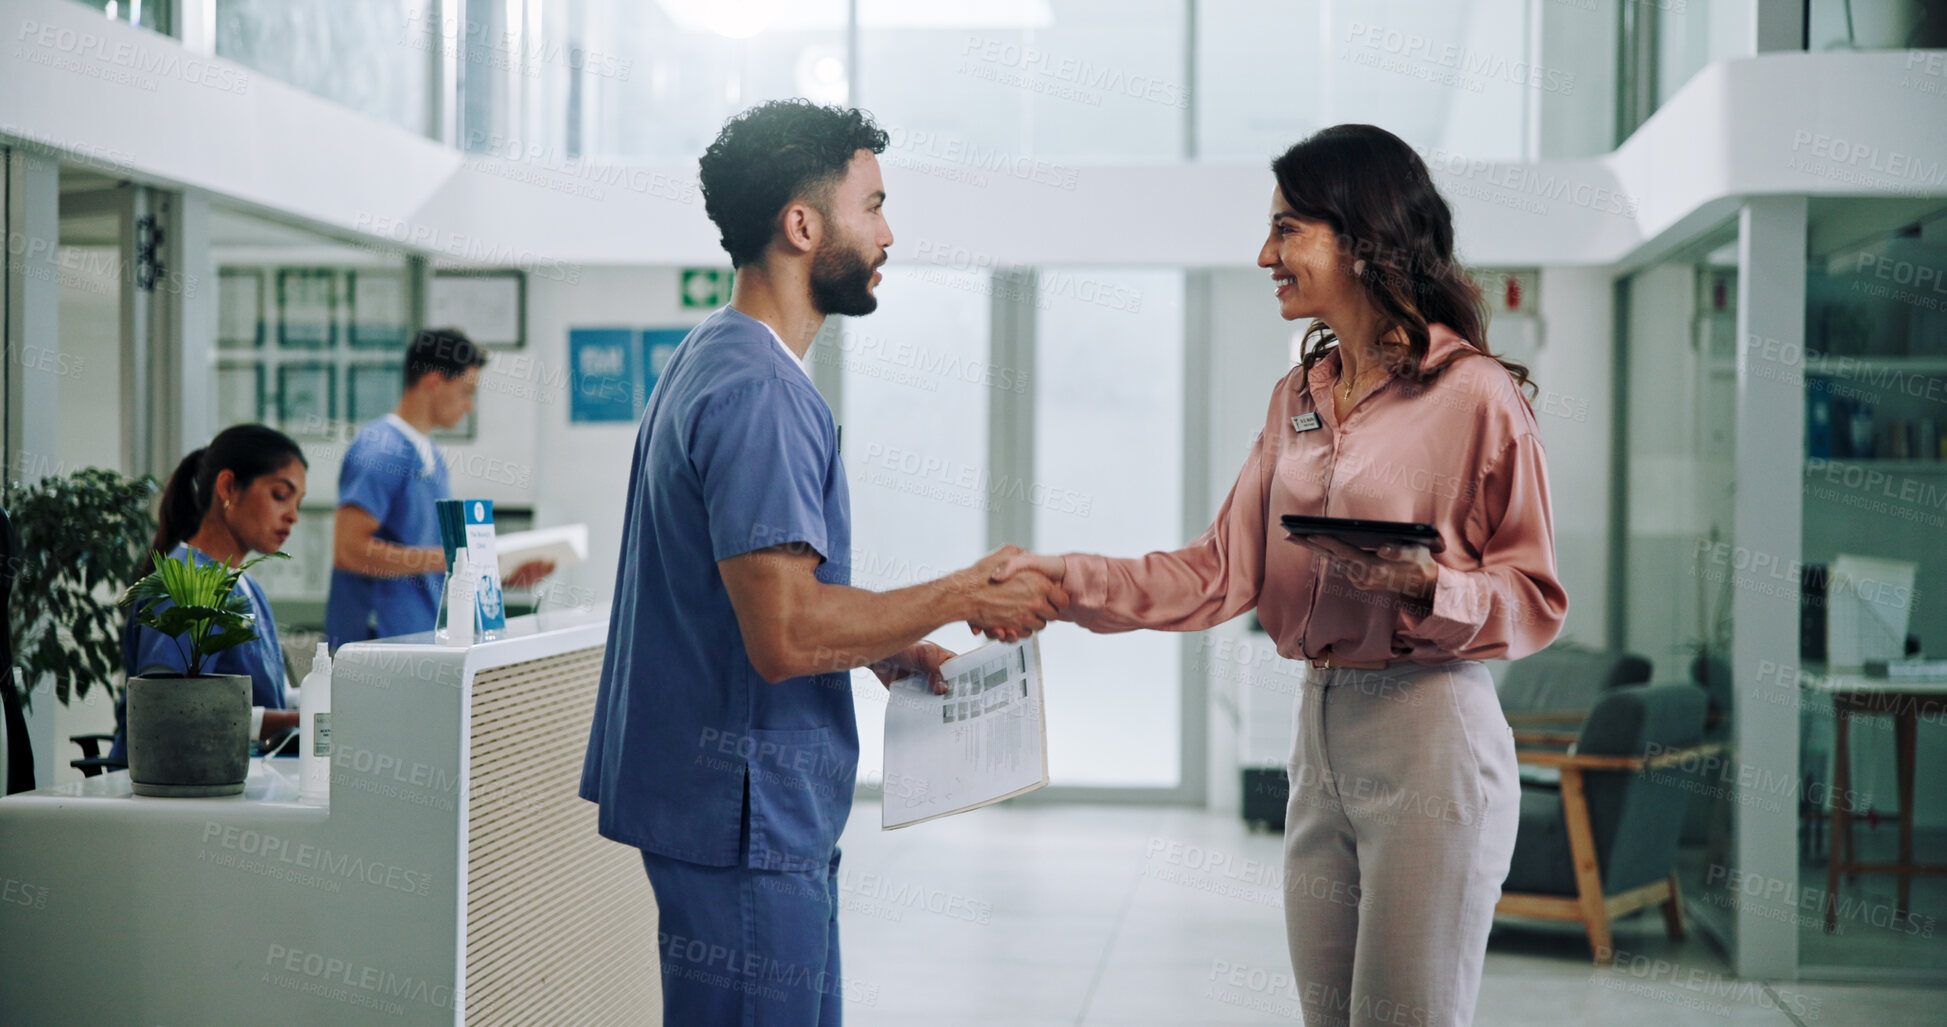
[453, 876]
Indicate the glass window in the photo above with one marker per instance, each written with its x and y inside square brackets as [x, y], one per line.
[1875, 25]
[917, 383]
[373, 56]
[522, 73]
[310, 339]
[1690, 36]
[1027, 78]
[89, 286]
[1681, 354]
[147, 14]
[1875, 376]
[310, 331]
[1250, 106]
[658, 79]
[1108, 478]
[1481, 78]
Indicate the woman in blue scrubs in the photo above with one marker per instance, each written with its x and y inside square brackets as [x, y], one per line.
[237, 496]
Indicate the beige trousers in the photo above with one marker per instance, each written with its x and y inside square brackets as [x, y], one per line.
[1404, 802]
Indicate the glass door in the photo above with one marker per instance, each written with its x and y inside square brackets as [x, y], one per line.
[1872, 888]
[96, 213]
[1680, 359]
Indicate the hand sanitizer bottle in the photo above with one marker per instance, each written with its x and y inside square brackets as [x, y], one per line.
[458, 612]
[314, 730]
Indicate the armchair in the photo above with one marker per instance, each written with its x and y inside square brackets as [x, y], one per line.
[1558, 685]
[1603, 842]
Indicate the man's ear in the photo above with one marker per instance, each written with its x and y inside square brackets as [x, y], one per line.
[800, 226]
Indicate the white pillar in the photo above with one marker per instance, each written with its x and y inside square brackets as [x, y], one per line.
[188, 352]
[196, 25]
[1010, 413]
[33, 340]
[33, 351]
[1203, 734]
[1768, 514]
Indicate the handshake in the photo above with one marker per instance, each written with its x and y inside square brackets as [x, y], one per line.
[1011, 593]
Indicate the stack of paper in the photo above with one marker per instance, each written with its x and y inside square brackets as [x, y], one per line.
[567, 544]
[984, 741]
[1867, 603]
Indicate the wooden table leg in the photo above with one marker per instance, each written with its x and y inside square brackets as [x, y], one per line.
[1841, 813]
[1904, 721]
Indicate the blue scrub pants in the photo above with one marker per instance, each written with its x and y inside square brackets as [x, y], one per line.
[747, 948]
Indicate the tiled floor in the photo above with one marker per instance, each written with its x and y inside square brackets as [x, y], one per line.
[1091, 916]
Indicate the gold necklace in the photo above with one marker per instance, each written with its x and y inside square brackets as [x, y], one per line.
[1350, 384]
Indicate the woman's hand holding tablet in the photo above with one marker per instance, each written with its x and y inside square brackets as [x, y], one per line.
[1374, 556]
[1364, 534]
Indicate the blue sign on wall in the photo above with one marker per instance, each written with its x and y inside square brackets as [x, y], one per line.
[603, 375]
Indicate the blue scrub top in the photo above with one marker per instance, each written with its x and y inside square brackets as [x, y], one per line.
[383, 476]
[148, 651]
[736, 452]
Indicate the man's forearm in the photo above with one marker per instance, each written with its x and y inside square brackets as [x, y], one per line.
[849, 627]
[380, 559]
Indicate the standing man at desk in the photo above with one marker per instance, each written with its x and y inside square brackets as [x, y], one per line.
[724, 744]
[387, 561]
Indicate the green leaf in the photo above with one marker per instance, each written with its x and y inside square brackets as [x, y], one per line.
[197, 603]
[170, 620]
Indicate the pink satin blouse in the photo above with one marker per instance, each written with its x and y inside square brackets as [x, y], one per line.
[1461, 454]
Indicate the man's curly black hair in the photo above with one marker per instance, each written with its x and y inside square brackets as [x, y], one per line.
[771, 154]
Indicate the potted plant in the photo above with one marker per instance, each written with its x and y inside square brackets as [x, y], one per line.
[189, 733]
[81, 542]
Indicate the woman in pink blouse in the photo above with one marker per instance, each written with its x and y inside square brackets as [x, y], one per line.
[1404, 796]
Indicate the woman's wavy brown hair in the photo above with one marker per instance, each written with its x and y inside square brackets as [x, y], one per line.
[1378, 198]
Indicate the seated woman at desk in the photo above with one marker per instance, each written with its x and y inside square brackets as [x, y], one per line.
[236, 496]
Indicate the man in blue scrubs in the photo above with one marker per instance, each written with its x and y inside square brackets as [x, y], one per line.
[724, 744]
[387, 561]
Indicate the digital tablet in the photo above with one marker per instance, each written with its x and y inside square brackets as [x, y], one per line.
[1366, 534]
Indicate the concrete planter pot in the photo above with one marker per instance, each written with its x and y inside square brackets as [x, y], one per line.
[189, 736]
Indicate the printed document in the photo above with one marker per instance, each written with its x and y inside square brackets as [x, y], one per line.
[565, 545]
[984, 741]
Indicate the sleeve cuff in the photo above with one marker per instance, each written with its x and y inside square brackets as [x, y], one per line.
[1086, 580]
[1454, 618]
[256, 722]
[764, 537]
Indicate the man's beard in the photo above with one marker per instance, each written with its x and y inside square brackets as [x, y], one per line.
[841, 280]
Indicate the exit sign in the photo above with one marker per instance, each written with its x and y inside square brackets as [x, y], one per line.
[706, 287]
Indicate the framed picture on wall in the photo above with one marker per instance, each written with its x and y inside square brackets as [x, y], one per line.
[379, 311]
[307, 307]
[373, 390]
[306, 398]
[239, 394]
[239, 308]
[489, 306]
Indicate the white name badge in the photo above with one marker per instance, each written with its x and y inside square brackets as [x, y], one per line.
[1305, 422]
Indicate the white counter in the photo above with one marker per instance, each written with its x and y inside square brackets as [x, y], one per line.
[453, 877]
